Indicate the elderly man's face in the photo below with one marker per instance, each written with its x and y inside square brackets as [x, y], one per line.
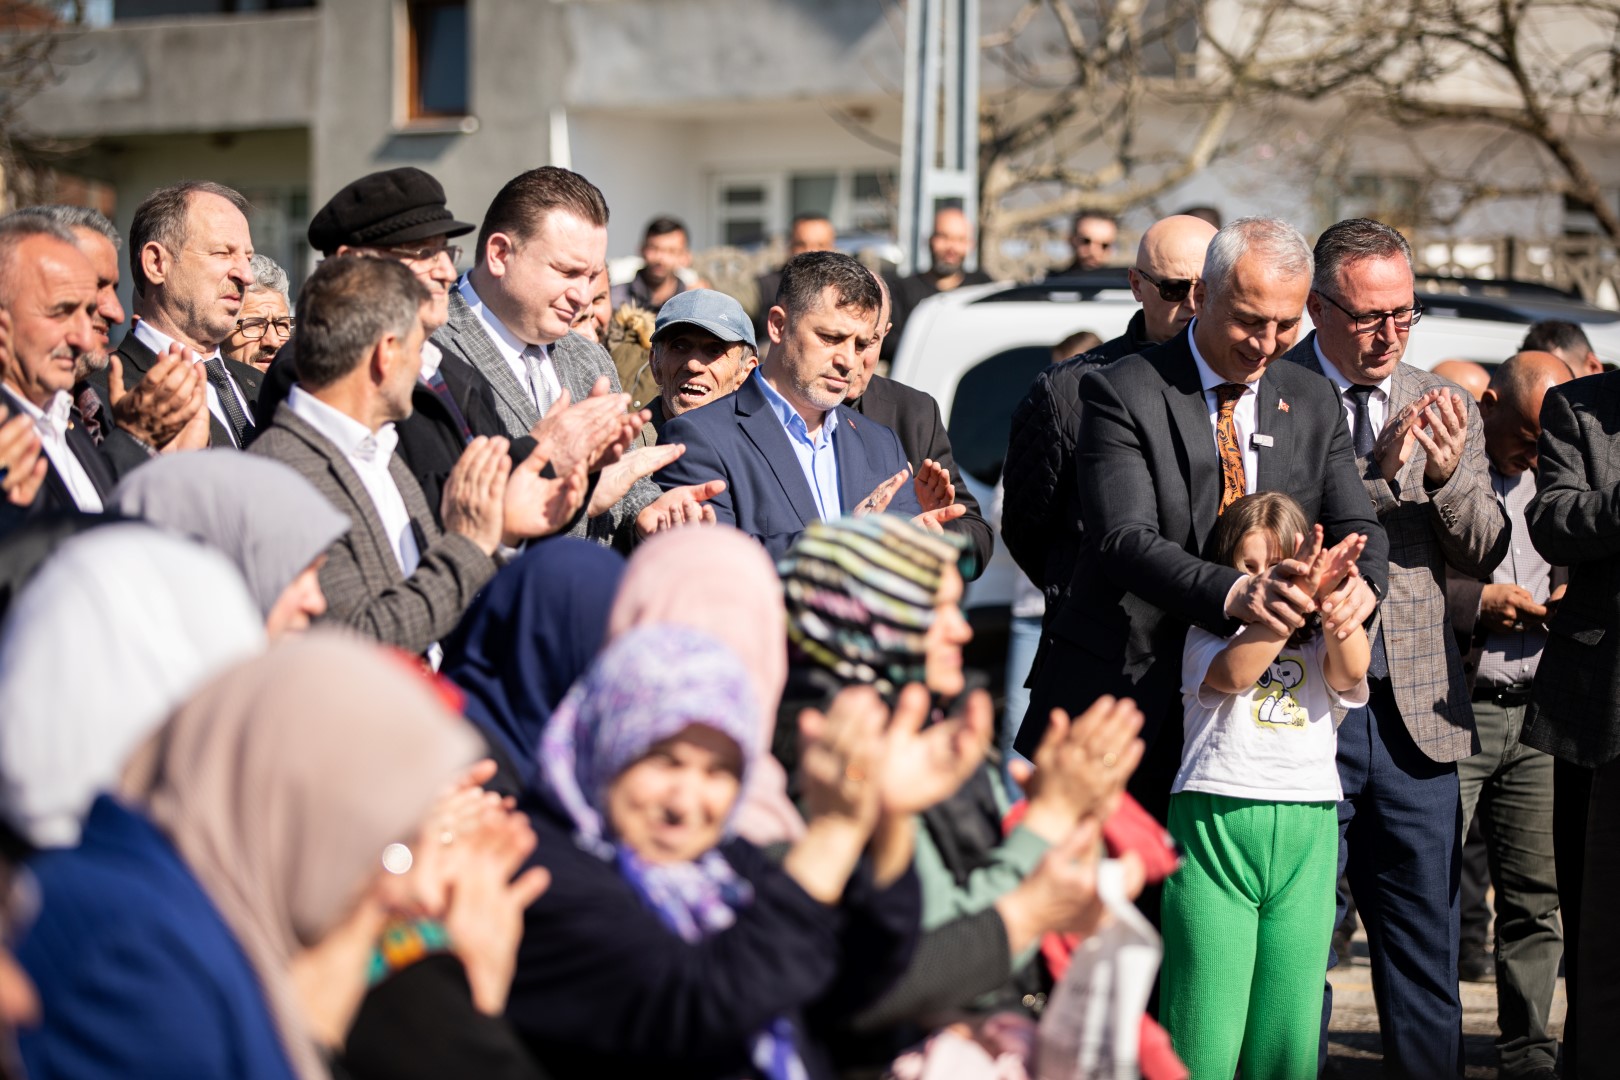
[1250, 322]
[1363, 287]
[692, 367]
[261, 331]
[52, 305]
[109, 312]
[206, 278]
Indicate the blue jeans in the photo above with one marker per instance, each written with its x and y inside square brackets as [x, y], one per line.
[1023, 640]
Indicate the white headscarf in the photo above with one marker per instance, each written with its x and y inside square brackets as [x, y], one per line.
[118, 628]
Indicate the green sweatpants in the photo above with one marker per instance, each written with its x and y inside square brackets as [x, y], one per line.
[1247, 921]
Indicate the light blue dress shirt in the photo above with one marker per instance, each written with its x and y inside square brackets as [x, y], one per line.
[818, 458]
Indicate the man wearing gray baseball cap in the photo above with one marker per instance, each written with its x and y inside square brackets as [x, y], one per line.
[703, 349]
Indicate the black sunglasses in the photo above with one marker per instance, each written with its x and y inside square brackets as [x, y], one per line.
[1171, 290]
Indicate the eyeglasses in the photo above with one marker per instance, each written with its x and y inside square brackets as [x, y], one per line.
[1370, 322]
[1082, 240]
[1171, 290]
[427, 254]
[254, 329]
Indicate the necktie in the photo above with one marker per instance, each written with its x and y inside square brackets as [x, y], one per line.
[534, 358]
[215, 369]
[1363, 435]
[1234, 485]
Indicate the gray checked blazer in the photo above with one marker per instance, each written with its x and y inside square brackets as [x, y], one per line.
[1460, 525]
[1575, 520]
[361, 579]
[579, 363]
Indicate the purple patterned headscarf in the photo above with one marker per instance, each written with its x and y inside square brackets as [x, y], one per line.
[651, 683]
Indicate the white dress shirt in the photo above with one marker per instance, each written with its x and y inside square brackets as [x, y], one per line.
[369, 455]
[158, 342]
[52, 424]
[515, 351]
[1242, 414]
[1377, 401]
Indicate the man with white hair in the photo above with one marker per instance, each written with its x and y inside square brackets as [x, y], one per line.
[264, 324]
[1171, 436]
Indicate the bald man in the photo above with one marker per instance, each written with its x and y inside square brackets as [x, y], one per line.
[1501, 629]
[949, 246]
[1040, 510]
[1465, 373]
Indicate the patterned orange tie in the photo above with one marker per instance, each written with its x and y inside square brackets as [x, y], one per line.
[1233, 483]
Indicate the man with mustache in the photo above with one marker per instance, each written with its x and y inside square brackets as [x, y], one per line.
[189, 256]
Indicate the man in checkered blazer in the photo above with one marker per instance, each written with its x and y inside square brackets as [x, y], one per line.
[1421, 453]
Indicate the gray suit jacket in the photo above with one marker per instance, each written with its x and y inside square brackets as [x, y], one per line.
[1575, 520]
[579, 363]
[1460, 525]
[361, 579]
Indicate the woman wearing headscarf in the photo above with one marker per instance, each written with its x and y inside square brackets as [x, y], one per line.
[220, 921]
[875, 601]
[117, 628]
[667, 945]
[531, 633]
[259, 513]
[720, 581]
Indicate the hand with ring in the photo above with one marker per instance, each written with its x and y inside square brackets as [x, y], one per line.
[1081, 766]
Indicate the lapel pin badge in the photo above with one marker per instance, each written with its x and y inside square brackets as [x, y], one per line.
[1257, 440]
[1282, 406]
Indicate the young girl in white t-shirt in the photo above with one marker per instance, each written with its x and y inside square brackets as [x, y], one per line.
[1249, 915]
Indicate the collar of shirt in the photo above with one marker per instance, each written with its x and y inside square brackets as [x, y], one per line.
[432, 357]
[350, 436]
[510, 345]
[1331, 370]
[51, 421]
[790, 418]
[158, 341]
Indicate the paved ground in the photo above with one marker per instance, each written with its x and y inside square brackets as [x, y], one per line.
[1354, 1046]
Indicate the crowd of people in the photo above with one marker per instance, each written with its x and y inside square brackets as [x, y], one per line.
[506, 673]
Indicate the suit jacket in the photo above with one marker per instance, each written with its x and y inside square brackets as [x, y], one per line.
[1459, 524]
[362, 580]
[1149, 489]
[54, 495]
[914, 416]
[579, 363]
[1575, 521]
[137, 359]
[430, 439]
[739, 439]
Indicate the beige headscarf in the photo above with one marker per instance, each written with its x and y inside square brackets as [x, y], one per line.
[281, 782]
[740, 605]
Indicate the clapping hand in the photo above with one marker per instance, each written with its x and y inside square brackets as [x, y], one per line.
[23, 463]
[1442, 431]
[164, 403]
[1327, 570]
[1081, 767]
[924, 766]
[535, 506]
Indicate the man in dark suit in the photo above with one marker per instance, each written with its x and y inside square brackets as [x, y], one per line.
[1420, 453]
[542, 243]
[1040, 512]
[1151, 483]
[914, 416]
[189, 253]
[787, 449]
[1575, 522]
[48, 291]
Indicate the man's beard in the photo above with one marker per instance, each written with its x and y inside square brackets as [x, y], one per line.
[89, 363]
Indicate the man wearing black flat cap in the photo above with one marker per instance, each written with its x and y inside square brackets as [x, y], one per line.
[400, 214]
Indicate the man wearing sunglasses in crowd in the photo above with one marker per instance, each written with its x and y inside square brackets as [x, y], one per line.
[1094, 239]
[1040, 510]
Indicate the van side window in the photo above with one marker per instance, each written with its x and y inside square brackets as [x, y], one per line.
[981, 411]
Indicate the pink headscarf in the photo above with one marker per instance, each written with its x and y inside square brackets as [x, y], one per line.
[739, 602]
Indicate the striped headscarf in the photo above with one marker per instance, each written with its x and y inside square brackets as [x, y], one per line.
[860, 596]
